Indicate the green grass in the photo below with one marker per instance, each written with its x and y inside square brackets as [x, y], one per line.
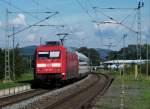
[25, 77]
[9, 85]
[137, 92]
[110, 72]
[142, 100]
[22, 80]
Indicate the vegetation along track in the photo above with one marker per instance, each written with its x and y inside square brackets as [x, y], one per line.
[5, 101]
[78, 98]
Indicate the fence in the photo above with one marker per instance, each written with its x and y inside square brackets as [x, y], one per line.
[14, 90]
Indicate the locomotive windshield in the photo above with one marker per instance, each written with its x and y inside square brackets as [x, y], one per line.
[43, 55]
[51, 54]
[54, 54]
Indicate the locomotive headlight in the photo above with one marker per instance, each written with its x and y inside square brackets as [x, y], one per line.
[54, 54]
[56, 64]
[41, 65]
[63, 73]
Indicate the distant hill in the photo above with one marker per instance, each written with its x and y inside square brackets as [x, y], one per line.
[28, 50]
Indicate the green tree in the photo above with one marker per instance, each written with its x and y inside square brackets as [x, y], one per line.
[92, 54]
[84, 50]
[20, 63]
[113, 55]
[130, 52]
[2, 63]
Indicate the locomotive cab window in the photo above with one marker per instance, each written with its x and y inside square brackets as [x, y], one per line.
[54, 54]
[43, 55]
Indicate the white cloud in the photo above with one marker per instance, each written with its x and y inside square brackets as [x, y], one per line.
[31, 37]
[106, 26]
[19, 20]
[77, 31]
[44, 36]
[80, 33]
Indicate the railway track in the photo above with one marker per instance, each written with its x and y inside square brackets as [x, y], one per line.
[79, 98]
[75, 96]
[9, 100]
[82, 98]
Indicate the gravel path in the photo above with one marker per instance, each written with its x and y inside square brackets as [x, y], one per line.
[112, 98]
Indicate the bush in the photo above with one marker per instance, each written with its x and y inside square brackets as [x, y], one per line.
[21, 65]
[131, 69]
[144, 68]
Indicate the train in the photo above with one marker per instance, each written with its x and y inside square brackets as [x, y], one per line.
[55, 62]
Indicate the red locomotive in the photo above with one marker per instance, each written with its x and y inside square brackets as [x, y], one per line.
[55, 62]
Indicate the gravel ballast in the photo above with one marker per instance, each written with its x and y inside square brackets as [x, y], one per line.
[53, 96]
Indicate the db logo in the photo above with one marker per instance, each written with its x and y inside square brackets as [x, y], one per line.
[48, 65]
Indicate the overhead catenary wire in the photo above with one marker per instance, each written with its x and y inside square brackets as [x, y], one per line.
[132, 24]
[49, 25]
[134, 21]
[47, 8]
[47, 12]
[43, 25]
[138, 32]
[83, 8]
[89, 3]
[62, 25]
[33, 24]
[111, 22]
[80, 4]
[30, 13]
[123, 38]
[114, 8]
[116, 21]
[127, 16]
[16, 7]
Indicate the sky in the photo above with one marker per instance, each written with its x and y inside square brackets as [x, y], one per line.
[81, 20]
